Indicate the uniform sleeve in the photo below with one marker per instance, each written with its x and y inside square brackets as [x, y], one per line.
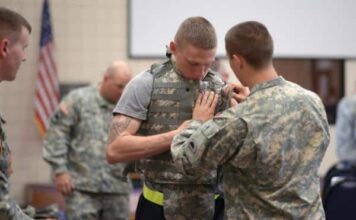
[203, 147]
[345, 129]
[58, 136]
[9, 210]
[136, 97]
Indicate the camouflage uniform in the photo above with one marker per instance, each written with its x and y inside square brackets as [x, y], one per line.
[270, 147]
[75, 143]
[346, 129]
[171, 103]
[9, 210]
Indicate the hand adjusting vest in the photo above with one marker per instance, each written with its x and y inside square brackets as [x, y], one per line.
[172, 102]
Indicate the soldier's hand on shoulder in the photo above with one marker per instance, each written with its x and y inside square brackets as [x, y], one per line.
[239, 93]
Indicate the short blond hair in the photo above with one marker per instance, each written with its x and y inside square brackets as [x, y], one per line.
[198, 32]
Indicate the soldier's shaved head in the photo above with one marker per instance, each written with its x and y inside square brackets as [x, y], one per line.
[115, 78]
[198, 32]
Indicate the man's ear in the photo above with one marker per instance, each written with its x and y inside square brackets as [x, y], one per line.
[239, 60]
[173, 47]
[106, 77]
[236, 60]
[4, 47]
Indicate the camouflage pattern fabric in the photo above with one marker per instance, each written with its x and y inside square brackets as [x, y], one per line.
[9, 210]
[4, 149]
[270, 148]
[346, 129]
[172, 102]
[75, 143]
[76, 140]
[94, 206]
[48, 212]
[188, 201]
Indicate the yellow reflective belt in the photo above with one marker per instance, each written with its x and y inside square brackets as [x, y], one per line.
[157, 197]
[153, 196]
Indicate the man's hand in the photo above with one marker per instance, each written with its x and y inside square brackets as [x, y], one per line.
[64, 183]
[183, 126]
[204, 108]
[239, 93]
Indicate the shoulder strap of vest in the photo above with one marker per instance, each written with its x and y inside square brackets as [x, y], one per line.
[213, 75]
[161, 67]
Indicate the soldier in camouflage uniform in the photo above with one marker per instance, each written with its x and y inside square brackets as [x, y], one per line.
[148, 115]
[74, 146]
[346, 129]
[269, 146]
[14, 37]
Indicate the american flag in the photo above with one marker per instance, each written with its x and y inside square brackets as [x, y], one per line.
[47, 85]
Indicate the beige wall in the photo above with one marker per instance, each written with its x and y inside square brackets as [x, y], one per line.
[89, 34]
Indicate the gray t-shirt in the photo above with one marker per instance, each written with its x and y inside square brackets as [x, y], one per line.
[136, 97]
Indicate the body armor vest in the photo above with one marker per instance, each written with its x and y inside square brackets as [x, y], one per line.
[172, 102]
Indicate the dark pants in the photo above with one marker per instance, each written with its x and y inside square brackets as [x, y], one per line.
[147, 210]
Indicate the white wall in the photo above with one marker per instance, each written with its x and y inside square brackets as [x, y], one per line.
[303, 28]
[89, 35]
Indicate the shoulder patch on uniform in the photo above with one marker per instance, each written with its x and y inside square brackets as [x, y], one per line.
[64, 108]
[210, 129]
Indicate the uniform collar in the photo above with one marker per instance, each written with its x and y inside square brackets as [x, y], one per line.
[274, 82]
[100, 100]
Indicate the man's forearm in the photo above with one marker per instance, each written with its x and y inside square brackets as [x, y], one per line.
[131, 147]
